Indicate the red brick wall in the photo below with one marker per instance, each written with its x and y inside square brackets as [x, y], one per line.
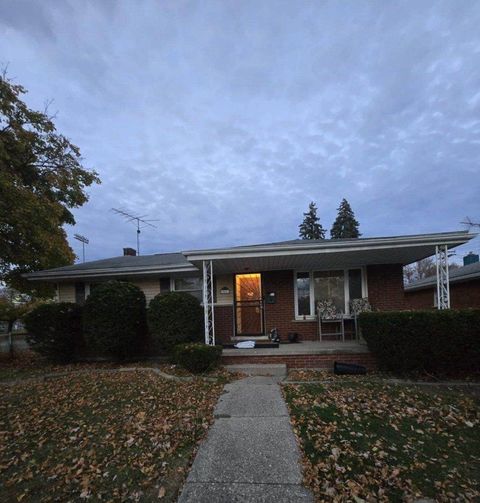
[223, 324]
[281, 315]
[385, 287]
[422, 299]
[304, 361]
[462, 295]
[385, 291]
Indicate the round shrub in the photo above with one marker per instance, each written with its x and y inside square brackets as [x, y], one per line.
[175, 318]
[114, 319]
[197, 357]
[55, 330]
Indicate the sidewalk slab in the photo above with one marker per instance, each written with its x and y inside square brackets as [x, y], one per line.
[208, 492]
[255, 380]
[250, 453]
[251, 401]
[272, 369]
[255, 450]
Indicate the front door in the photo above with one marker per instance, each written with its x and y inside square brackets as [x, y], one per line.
[248, 304]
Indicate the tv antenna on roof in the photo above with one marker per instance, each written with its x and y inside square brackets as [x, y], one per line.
[139, 220]
[468, 222]
[84, 242]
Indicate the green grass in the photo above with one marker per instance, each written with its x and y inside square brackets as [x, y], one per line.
[365, 439]
[105, 437]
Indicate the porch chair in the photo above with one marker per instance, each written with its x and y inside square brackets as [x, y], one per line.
[358, 306]
[327, 313]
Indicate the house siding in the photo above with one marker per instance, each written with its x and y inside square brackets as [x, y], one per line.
[66, 292]
[221, 281]
[462, 296]
[150, 287]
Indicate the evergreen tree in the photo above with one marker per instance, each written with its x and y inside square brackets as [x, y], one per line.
[345, 225]
[310, 228]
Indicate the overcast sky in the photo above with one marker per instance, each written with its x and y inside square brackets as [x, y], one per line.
[223, 120]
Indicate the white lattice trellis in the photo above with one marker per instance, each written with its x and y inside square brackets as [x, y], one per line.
[443, 282]
[208, 309]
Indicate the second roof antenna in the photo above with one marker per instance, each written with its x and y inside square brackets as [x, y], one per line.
[139, 220]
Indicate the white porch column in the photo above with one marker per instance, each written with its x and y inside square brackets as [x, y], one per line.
[208, 310]
[443, 281]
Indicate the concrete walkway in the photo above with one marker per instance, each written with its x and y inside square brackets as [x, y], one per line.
[250, 454]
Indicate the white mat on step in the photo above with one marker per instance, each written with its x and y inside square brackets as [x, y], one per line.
[245, 345]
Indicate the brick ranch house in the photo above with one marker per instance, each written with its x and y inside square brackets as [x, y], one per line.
[249, 290]
[464, 288]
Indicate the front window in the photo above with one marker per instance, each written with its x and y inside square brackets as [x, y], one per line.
[355, 284]
[330, 285]
[303, 294]
[192, 285]
[340, 286]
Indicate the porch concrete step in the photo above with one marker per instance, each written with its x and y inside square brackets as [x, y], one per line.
[272, 369]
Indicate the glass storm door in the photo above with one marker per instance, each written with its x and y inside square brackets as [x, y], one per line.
[248, 304]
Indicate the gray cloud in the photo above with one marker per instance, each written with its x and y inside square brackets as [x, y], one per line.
[223, 120]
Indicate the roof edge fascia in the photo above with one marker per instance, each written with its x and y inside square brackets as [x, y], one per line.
[110, 272]
[452, 238]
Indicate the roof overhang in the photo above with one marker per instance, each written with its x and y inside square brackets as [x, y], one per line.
[106, 273]
[329, 254]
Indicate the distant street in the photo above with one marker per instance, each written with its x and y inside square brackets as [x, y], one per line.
[19, 343]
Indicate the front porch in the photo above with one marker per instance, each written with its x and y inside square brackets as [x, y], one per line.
[306, 354]
[288, 287]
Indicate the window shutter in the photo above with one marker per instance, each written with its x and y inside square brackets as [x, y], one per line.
[80, 293]
[164, 285]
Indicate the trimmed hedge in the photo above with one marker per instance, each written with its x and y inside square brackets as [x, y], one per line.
[175, 318]
[440, 342]
[114, 319]
[55, 330]
[197, 357]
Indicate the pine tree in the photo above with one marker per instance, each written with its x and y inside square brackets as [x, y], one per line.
[310, 228]
[345, 225]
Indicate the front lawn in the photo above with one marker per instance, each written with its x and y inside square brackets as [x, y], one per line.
[26, 364]
[101, 437]
[367, 441]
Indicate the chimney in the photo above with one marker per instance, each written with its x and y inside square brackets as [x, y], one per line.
[471, 258]
[129, 252]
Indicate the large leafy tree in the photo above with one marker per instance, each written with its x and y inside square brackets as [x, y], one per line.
[311, 228]
[345, 225]
[424, 268]
[41, 180]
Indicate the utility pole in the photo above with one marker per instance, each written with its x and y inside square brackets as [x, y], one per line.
[84, 242]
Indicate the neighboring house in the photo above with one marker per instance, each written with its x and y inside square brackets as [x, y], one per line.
[464, 288]
[248, 290]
